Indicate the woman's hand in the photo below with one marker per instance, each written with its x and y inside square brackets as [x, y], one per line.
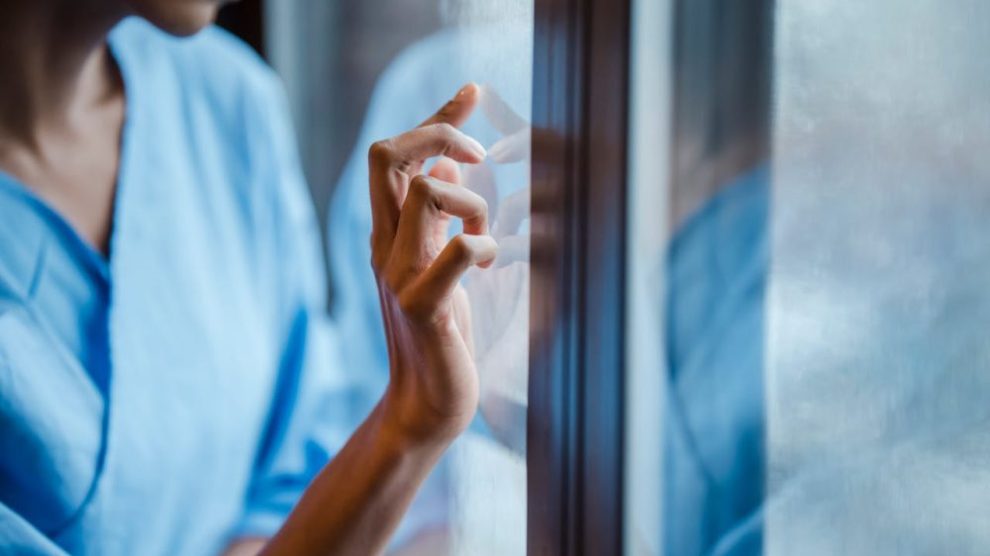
[357, 500]
[433, 387]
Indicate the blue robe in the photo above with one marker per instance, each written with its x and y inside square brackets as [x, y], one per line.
[184, 390]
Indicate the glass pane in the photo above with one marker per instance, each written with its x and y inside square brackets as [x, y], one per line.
[716, 266]
[877, 376]
[362, 71]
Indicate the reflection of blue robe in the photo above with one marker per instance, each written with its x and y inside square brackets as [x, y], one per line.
[182, 392]
[714, 452]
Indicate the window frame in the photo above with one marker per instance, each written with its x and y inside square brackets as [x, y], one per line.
[578, 277]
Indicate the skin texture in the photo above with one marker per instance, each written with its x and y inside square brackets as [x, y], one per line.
[60, 124]
[358, 499]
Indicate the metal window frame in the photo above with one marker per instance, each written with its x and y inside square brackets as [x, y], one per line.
[577, 307]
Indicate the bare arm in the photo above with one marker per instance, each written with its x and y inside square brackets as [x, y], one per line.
[357, 501]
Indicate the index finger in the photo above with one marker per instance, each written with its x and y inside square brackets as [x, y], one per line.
[457, 109]
[393, 162]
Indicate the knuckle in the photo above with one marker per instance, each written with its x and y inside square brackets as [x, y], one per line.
[392, 282]
[448, 133]
[381, 151]
[460, 247]
[412, 305]
[421, 189]
[446, 129]
[378, 263]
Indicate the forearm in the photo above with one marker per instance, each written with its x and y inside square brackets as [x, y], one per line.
[358, 499]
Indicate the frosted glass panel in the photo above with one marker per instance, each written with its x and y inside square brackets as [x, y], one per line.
[878, 363]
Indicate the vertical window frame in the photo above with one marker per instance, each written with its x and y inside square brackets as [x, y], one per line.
[576, 390]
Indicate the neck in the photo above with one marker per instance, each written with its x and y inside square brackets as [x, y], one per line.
[55, 63]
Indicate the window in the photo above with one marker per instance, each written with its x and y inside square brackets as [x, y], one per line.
[359, 72]
[741, 303]
[824, 369]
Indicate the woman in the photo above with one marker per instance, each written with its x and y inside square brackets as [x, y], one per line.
[160, 307]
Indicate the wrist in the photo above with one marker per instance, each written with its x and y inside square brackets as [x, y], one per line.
[412, 425]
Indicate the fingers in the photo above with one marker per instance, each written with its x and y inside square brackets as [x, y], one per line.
[441, 278]
[430, 198]
[393, 161]
[407, 152]
[428, 206]
[445, 170]
[457, 109]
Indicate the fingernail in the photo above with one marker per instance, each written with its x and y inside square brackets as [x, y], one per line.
[464, 89]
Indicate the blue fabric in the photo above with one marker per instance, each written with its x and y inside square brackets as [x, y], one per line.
[714, 460]
[187, 389]
[418, 82]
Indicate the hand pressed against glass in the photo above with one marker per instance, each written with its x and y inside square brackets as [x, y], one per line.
[357, 500]
[433, 389]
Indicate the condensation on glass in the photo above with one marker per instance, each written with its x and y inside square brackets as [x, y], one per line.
[878, 364]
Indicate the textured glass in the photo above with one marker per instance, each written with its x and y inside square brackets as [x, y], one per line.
[878, 363]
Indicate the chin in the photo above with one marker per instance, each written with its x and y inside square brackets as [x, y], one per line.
[178, 17]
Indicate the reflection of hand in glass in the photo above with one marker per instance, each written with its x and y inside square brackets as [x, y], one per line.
[500, 296]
